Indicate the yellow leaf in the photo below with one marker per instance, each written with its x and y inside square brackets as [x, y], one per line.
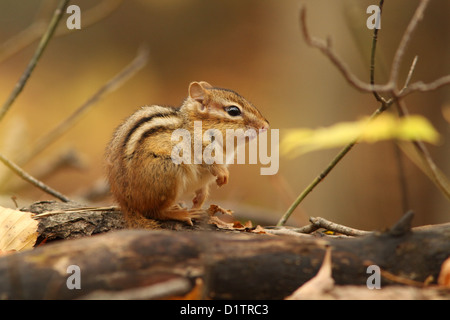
[18, 230]
[384, 127]
[417, 128]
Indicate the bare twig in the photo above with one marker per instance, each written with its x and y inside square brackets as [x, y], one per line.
[304, 230]
[76, 210]
[425, 87]
[398, 157]
[398, 57]
[332, 226]
[401, 280]
[326, 48]
[34, 60]
[325, 172]
[434, 173]
[139, 62]
[410, 73]
[315, 182]
[64, 159]
[372, 57]
[35, 29]
[17, 170]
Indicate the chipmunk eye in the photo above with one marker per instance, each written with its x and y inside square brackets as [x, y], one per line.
[233, 111]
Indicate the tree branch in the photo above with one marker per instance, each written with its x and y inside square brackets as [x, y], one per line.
[138, 63]
[21, 173]
[34, 60]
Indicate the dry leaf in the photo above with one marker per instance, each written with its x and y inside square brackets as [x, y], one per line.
[444, 275]
[248, 225]
[319, 285]
[238, 225]
[260, 230]
[213, 209]
[221, 224]
[195, 294]
[18, 230]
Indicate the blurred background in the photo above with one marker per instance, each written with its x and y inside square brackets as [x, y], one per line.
[253, 47]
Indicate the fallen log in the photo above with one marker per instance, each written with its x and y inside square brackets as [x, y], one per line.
[231, 265]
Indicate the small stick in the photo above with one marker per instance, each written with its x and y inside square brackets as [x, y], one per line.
[410, 73]
[34, 60]
[435, 175]
[372, 57]
[425, 87]
[21, 173]
[398, 57]
[35, 29]
[76, 210]
[310, 228]
[399, 160]
[326, 224]
[138, 63]
[315, 182]
[326, 48]
[401, 280]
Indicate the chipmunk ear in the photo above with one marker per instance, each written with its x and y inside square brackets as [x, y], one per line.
[197, 90]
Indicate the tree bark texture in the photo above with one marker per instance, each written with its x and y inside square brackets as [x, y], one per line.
[232, 265]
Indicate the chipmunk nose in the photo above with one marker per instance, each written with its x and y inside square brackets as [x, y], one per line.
[264, 127]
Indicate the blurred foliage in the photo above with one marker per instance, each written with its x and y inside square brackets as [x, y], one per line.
[255, 48]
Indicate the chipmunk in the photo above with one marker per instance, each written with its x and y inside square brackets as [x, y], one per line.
[142, 175]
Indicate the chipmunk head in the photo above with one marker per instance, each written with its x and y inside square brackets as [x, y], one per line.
[222, 108]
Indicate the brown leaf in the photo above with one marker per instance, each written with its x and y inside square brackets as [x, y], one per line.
[238, 225]
[221, 224]
[259, 230]
[248, 224]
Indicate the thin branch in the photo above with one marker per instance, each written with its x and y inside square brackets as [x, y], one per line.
[21, 173]
[398, 279]
[35, 29]
[326, 48]
[372, 57]
[64, 159]
[315, 182]
[76, 210]
[398, 157]
[424, 87]
[332, 226]
[433, 172]
[34, 60]
[325, 172]
[398, 57]
[410, 73]
[435, 175]
[138, 63]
